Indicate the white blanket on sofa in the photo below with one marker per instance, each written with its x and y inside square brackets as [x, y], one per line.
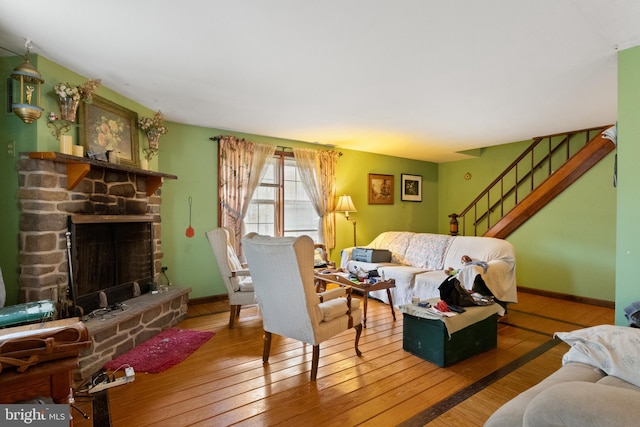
[419, 259]
[499, 280]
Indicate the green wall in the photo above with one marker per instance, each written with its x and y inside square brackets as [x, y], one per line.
[354, 168]
[187, 152]
[628, 230]
[23, 138]
[456, 192]
[569, 246]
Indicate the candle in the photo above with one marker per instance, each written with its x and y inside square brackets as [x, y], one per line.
[65, 144]
[78, 150]
[112, 156]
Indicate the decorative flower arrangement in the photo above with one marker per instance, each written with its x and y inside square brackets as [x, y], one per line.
[153, 127]
[85, 91]
[69, 97]
[88, 88]
[66, 90]
[154, 124]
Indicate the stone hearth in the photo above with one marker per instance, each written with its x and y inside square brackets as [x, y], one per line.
[119, 331]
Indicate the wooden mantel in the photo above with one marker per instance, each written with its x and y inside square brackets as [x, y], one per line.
[79, 167]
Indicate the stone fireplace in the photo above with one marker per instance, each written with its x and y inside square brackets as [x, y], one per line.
[106, 211]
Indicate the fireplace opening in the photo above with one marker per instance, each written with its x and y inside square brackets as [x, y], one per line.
[111, 258]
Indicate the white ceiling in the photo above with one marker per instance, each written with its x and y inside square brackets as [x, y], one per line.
[421, 79]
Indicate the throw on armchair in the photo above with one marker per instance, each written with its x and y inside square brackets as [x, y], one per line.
[235, 275]
[282, 271]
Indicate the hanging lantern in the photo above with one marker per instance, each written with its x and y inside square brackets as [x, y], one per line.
[27, 91]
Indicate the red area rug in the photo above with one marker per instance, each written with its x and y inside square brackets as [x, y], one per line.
[163, 351]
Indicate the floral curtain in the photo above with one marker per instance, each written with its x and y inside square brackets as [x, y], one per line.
[317, 170]
[240, 168]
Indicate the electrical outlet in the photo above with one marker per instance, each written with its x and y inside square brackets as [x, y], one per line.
[11, 149]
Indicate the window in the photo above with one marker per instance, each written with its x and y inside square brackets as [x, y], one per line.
[280, 205]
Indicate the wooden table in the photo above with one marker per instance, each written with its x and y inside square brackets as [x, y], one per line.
[365, 288]
[39, 359]
[49, 379]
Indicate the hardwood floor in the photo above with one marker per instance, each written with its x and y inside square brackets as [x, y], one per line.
[225, 383]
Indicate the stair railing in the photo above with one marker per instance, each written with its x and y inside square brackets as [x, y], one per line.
[520, 178]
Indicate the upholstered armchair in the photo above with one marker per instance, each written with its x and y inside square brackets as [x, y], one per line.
[235, 274]
[282, 271]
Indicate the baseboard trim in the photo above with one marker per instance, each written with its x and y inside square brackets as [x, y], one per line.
[567, 297]
[211, 298]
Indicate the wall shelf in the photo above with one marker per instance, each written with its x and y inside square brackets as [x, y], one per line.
[79, 167]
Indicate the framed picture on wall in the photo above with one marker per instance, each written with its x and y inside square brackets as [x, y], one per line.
[411, 187]
[380, 189]
[106, 126]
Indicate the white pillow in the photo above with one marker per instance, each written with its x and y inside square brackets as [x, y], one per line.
[613, 349]
[317, 258]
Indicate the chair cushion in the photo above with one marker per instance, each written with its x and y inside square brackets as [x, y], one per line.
[334, 308]
[234, 262]
[245, 285]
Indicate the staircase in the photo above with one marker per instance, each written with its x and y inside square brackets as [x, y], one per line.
[545, 169]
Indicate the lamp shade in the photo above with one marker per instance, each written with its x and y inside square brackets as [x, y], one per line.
[345, 204]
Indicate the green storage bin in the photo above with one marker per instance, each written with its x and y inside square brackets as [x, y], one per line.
[429, 339]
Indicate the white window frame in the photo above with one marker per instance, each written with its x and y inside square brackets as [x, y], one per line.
[279, 210]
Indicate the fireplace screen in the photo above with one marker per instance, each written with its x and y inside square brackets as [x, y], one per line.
[111, 261]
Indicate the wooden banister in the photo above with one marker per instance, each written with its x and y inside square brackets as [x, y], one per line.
[477, 215]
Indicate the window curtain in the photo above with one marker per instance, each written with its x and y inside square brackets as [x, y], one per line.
[317, 171]
[240, 168]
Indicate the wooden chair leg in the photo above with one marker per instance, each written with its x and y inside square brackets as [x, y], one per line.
[267, 346]
[314, 362]
[358, 329]
[233, 313]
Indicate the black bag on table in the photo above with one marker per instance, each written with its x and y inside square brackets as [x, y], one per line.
[453, 293]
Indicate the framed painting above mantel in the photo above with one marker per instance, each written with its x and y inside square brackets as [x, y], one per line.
[107, 126]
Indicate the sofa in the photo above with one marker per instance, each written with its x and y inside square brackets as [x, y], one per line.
[598, 384]
[418, 261]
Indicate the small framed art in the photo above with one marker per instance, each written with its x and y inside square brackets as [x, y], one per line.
[380, 189]
[411, 188]
[106, 126]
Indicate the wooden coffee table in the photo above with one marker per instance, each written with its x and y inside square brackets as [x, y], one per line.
[365, 288]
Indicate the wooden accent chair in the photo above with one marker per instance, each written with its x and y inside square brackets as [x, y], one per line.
[235, 274]
[282, 271]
